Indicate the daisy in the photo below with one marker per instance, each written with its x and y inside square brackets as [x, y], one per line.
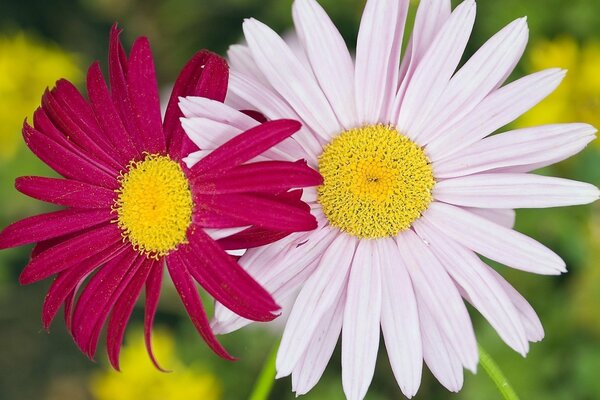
[414, 188]
[132, 204]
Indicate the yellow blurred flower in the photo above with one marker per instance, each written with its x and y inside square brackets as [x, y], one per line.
[140, 380]
[578, 98]
[27, 67]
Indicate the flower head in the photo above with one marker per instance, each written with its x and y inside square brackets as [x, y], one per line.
[414, 188]
[132, 204]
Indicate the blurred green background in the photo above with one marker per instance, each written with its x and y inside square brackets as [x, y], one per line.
[41, 41]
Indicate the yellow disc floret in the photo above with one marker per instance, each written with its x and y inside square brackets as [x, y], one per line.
[376, 182]
[154, 205]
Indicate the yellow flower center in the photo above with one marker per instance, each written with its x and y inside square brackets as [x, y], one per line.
[154, 205]
[377, 182]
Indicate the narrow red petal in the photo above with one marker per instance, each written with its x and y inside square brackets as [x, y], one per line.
[65, 192]
[153, 287]
[250, 238]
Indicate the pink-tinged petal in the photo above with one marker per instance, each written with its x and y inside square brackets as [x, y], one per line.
[281, 268]
[68, 281]
[205, 75]
[329, 57]
[319, 294]
[201, 107]
[65, 159]
[246, 146]
[431, 17]
[122, 312]
[499, 108]
[51, 225]
[521, 150]
[435, 289]
[531, 322]
[479, 287]
[98, 298]
[514, 191]
[224, 279]
[65, 192]
[248, 209]
[310, 368]
[362, 315]
[143, 94]
[436, 68]
[266, 176]
[493, 241]
[108, 117]
[439, 355]
[485, 71]
[289, 77]
[241, 60]
[70, 253]
[153, 287]
[274, 107]
[193, 304]
[400, 319]
[505, 218]
[378, 50]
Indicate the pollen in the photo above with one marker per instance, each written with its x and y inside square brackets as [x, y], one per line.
[154, 205]
[376, 182]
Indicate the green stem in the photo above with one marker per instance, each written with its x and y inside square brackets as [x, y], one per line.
[266, 379]
[496, 375]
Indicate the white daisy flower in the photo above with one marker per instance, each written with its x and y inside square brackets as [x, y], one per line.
[415, 187]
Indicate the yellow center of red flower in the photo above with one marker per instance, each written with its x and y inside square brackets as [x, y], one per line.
[376, 182]
[154, 205]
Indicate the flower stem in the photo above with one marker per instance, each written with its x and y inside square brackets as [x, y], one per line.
[496, 375]
[266, 379]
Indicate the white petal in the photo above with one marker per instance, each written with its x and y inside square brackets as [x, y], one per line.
[437, 67]
[208, 134]
[505, 218]
[440, 357]
[329, 57]
[215, 110]
[514, 191]
[362, 314]
[437, 292]
[496, 110]
[318, 295]
[241, 60]
[288, 76]
[310, 368]
[487, 69]
[521, 150]
[479, 286]
[400, 319]
[496, 242]
[193, 158]
[378, 58]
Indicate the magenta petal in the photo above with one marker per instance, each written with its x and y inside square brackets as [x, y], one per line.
[108, 116]
[122, 312]
[98, 297]
[250, 238]
[153, 286]
[51, 225]
[193, 304]
[143, 95]
[65, 192]
[255, 115]
[265, 212]
[70, 253]
[66, 282]
[225, 280]
[205, 75]
[267, 176]
[246, 146]
[67, 161]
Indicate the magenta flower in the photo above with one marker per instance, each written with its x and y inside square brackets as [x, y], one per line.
[132, 204]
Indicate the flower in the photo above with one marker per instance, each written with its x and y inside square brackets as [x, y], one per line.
[140, 381]
[578, 98]
[132, 204]
[414, 188]
[20, 85]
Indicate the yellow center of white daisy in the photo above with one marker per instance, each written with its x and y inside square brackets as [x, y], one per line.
[154, 205]
[376, 182]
